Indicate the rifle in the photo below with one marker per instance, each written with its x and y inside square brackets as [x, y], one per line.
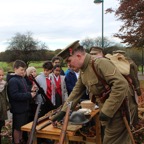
[65, 123]
[47, 117]
[44, 97]
[49, 114]
[44, 125]
[30, 139]
[38, 121]
[127, 118]
[41, 91]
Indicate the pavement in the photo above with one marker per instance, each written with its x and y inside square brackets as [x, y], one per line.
[140, 76]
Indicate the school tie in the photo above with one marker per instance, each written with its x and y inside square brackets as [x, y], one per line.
[48, 92]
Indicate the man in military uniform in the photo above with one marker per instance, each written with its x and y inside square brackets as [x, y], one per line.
[96, 52]
[110, 113]
[133, 72]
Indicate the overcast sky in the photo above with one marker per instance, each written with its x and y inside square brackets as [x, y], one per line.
[55, 22]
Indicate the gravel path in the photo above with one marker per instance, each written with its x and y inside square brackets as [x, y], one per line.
[140, 76]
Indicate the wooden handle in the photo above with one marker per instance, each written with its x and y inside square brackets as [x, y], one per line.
[44, 125]
[128, 129]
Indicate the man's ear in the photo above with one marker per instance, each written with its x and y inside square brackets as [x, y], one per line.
[79, 56]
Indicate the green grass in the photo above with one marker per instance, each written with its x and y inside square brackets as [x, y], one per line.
[3, 64]
[41, 69]
[38, 65]
[6, 66]
[64, 68]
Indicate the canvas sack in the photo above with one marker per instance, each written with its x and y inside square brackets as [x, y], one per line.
[120, 62]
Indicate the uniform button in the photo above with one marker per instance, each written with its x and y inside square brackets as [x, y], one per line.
[82, 72]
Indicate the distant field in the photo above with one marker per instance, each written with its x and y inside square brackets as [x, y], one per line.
[3, 64]
[6, 66]
[38, 65]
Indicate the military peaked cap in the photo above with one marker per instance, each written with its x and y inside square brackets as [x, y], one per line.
[119, 51]
[93, 49]
[68, 51]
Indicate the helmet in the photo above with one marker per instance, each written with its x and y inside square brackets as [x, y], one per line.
[78, 118]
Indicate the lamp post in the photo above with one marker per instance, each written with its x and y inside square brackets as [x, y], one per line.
[97, 2]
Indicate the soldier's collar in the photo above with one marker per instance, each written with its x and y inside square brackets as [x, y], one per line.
[86, 62]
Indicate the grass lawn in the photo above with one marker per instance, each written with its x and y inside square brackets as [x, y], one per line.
[38, 65]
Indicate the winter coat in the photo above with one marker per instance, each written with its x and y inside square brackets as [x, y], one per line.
[4, 104]
[19, 94]
[71, 80]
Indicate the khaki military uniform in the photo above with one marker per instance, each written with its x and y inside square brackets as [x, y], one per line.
[134, 76]
[4, 104]
[115, 132]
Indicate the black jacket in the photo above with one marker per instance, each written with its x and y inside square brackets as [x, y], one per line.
[19, 94]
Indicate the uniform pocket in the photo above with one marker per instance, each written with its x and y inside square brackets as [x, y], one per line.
[93, 87]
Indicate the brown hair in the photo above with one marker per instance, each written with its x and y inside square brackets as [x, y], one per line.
[48, 65]
[79, 49]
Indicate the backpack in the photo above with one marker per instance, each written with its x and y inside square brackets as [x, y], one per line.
[120, 62]
[127, 68]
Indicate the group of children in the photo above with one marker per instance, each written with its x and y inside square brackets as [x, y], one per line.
[20, 91]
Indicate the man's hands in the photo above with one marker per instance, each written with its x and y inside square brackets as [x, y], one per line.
[103, 117]
[58, 117]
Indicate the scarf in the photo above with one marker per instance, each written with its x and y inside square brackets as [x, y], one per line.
[2, 85]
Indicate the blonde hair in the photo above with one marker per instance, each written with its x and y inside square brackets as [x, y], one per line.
[29, 70]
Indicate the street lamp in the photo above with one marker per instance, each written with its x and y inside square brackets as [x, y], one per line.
[96, 2]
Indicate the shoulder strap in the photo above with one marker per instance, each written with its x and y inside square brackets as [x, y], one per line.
[107, 87]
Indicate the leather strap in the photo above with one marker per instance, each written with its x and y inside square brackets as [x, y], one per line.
[107, 87]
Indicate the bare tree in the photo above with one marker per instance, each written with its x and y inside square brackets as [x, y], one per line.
[26, 48]
[89, 42]
[107, 42]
